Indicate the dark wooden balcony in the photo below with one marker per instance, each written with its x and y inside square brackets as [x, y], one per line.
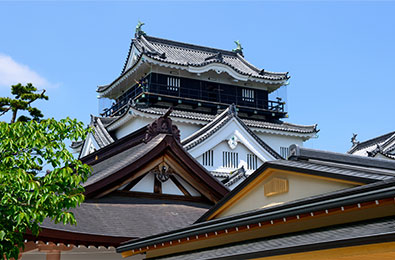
[215, 98]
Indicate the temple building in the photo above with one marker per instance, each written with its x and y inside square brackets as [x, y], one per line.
[142, 184]
[315, 205]
[221, 104]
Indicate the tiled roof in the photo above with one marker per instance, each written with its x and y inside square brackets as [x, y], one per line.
[384, 143]
[130, 217]
[235, 176]
[283, 126]
[197, 56]
[107, 167]
[302, 154]
[364, 174]
[336, 235]
[100, 133]
[352, 196]
[205, 118]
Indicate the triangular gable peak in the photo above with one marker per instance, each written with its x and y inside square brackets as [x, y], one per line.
[155, 165]
[308, 173]
[228, 135]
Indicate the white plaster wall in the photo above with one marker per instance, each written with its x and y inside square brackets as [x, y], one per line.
[300, 186]
[132, 125]
[146, 184]
[223, 146]
[186, 129]
[277, 141]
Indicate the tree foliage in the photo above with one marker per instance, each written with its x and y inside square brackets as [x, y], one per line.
[39, 177]
[24, 96]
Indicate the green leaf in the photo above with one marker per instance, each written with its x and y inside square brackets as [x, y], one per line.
[2, 235]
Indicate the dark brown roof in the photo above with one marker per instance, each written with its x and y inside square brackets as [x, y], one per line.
[118, 216]
[118, 161]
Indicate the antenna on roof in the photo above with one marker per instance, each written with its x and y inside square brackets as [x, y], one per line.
[139, 32]
[238, 48]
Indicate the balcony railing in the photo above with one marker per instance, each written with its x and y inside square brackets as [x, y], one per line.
[214, 97]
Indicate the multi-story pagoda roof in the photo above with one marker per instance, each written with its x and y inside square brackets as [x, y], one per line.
[193, 58]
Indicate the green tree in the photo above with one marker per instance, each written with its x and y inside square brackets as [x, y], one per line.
[39, 177]
[24, 96]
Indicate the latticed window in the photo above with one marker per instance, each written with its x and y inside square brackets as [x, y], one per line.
[284, 152]
[230, 159]
[173, 84]
[208, 158]
[252, 162]
[247, 95]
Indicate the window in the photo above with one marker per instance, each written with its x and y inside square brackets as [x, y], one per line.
[208, 158]
[252, 162]
[247, 94]
[173, 84]
[230, 159]
[284, 152]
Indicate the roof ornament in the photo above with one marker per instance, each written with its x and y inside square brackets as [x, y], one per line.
[162, 125]
[354, 140]
[238, 48]
[139, 32]
[377, 150]
[217, 56]
[232, 110]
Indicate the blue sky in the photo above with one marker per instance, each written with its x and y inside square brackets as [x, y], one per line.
[340, 54]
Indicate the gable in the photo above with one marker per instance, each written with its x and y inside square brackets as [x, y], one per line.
[127, 168]
[231, 129]
[90, 145]
[274, 187]
[132, 58]
[161, 179]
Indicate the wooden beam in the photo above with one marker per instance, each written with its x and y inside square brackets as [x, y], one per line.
[157, 186]
[135, 175]
[179, 185]
[137, 194]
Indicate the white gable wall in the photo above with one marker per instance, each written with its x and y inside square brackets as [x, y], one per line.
[218, 150]
[218, 142]
[90, 145]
